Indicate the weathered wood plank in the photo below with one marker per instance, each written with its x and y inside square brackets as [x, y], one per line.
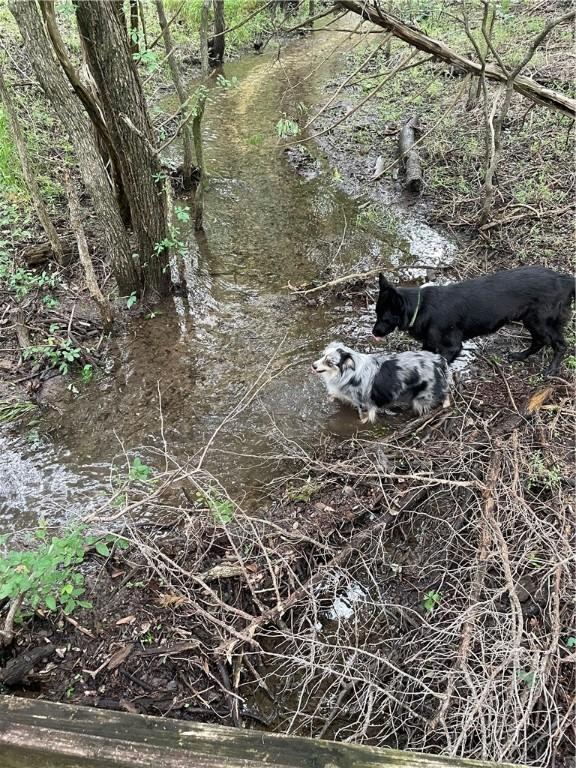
[40, 734]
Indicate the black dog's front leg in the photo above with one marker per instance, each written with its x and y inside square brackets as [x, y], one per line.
[448, 346]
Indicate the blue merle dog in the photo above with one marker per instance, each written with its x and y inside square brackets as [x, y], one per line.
[372, 383]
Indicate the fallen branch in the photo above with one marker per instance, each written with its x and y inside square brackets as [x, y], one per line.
[338, 281]
[529, 215]
[7, 632]
[523, 85]
[428, 132]
[17, 669]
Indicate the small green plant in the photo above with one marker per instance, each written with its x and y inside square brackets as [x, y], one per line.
[147, 58]
[139, 472]
[59, 353]
[571, 362]
[305, 491]
[571, 642]
[50, 302]
[19, 280]
[87, 374]
[542, 474]
[182, 214]
[131, 300]
[12, 411]
[535, 561]
[45, 574]
[369, 214]
[221, 508]
[286, 127]
[527, 676]
[432, 598]
[256, 140]
[224, 82]
[33, 437]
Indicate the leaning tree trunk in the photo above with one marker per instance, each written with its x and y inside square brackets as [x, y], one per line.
[197, 121]
[127, 119]
[78, 127]
[187, 138]
[29, 176]
[106, 311]
[219, 39]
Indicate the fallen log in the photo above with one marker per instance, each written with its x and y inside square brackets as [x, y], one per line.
[17, 669]
[410, 157]
[41, 252]
[524, 85]
[44, 734]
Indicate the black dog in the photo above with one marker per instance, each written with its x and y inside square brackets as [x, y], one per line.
[444, 316]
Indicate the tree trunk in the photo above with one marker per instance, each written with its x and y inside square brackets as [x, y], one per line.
[78, 128]
[143, 23]
[127, 119]
[187, 137]
[134, 44]
[197, 132]
[311, 11]
[106, 312]
[203, 32]
[197, 122]
[219, 39]
[494, 148]
[89, 98]
[29, 177]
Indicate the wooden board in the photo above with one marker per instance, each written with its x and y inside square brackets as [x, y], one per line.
[40, 734]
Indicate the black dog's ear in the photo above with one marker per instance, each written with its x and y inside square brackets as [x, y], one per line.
[384, 284]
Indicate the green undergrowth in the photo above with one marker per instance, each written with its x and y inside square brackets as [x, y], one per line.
[42, 571]
[534, 174]
[235, 12]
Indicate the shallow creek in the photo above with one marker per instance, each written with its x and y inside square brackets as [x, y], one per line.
[175, 376]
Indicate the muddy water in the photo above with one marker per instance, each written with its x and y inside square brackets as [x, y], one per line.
[267, 225]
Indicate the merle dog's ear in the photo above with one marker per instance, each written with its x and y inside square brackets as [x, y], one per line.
[348, 362]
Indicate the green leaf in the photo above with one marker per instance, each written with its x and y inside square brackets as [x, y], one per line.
[50, 603]
[102, 549]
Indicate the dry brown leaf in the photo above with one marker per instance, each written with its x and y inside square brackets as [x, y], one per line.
[126, 620]
[120, 656]
[171, 600]
[129, 707]
[538, 399]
